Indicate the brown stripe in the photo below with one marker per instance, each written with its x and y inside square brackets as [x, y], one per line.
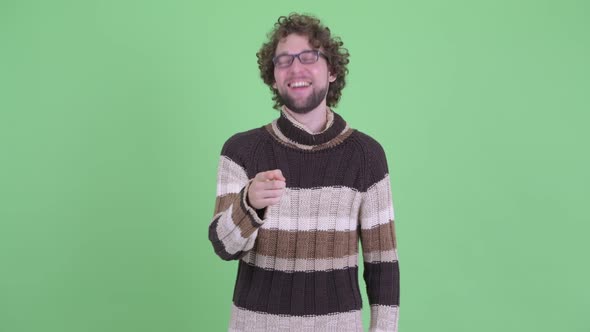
[306, 245]
[333, 142]
[243, 219]
[239, 215]
[271, 131]
[379, 238]
[224, 202]
[337, 140]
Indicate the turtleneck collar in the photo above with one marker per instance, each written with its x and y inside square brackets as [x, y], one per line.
[290, 132]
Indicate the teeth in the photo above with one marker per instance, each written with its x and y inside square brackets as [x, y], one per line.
[299, 84]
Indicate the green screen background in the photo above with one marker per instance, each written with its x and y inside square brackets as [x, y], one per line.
[113, 114]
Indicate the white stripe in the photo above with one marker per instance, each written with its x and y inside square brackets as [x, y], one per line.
[300, 264]
[380, 256]
[377, 205]
[250, 321]
[230, 234]
[329, 118]
[323, 209]
[384, 318]
[231, 177]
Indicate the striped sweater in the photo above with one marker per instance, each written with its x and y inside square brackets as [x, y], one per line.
[298, 259]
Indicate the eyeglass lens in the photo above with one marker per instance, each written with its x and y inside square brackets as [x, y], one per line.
[305, 57]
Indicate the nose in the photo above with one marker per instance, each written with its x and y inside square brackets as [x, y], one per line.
[296, 66]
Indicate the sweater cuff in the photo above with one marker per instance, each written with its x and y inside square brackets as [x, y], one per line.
[384, 318]
[257, 217]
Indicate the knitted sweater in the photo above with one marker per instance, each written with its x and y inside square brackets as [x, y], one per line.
[298, 259]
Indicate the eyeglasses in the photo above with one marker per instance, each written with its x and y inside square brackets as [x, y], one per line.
[306, 57]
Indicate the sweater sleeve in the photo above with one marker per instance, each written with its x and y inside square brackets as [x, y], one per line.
[381, 269]
[235, 223]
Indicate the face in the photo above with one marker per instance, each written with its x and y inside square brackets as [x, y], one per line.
[301, 88]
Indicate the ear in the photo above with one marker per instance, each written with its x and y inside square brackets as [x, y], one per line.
[274, 85]
[331, 77]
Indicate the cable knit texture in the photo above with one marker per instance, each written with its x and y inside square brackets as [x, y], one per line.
[298, 259]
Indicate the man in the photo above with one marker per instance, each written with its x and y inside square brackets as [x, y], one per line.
[295, 197]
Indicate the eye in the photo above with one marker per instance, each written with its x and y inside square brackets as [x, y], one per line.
[283, 60]
[308, 56]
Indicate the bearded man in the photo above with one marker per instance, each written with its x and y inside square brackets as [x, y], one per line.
[295, 197]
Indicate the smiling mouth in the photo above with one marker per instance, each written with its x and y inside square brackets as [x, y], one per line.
[299, 84]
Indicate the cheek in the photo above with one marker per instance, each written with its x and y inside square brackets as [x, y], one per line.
[323, 73]
[277, 78]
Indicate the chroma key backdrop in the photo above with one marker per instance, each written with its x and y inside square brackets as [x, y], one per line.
[113, 115]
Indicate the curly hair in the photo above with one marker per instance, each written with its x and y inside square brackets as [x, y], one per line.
[319, 37]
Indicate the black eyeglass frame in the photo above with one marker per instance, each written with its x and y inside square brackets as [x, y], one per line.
[318, 53]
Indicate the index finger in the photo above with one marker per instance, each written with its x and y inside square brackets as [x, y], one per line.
[274, 174]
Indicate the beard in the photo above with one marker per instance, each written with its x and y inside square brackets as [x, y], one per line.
[305, 106]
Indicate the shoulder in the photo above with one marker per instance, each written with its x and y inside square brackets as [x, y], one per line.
[242, 138]
[367, 143]
[242, 143]
[374, 159]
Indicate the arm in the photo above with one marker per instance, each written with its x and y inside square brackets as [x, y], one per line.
[235, 223]
[381, 269]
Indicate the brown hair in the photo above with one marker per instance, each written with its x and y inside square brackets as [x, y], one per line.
[319, 37]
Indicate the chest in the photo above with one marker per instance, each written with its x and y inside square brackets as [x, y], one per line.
[330, 208]
[341, 167]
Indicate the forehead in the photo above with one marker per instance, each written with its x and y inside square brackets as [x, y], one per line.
[293, 43]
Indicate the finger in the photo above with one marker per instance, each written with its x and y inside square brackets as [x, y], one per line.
[270, 201]
[262, 176]
[277, 174]
[268, 185]
[274, 184]
[258, 185]
[274, 193]
[274, 174]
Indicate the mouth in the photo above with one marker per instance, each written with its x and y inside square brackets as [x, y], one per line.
[299, 84]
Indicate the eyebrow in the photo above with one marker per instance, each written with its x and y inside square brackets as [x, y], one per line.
[287, 53]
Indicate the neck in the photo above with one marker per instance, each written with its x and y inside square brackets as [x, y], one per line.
[314, 121]
[287, 130]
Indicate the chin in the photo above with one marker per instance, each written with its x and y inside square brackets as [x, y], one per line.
[307, 105]
[301, 110]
